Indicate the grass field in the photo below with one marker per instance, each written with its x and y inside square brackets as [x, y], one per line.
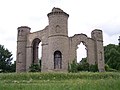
[60, 81]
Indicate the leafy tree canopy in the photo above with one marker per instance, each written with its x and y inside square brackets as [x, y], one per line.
[5, 59]
[112, 56]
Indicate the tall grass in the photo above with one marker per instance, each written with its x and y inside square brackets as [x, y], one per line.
[58, 76]
[60, 81]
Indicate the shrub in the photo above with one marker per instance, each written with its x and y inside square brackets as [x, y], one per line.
[93, 68]
[73, 67]
[84, 66]
[34, 68]
[107, 68]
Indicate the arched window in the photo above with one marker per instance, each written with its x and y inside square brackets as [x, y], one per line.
[57, 60]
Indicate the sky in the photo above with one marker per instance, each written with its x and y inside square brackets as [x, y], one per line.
[85, 16]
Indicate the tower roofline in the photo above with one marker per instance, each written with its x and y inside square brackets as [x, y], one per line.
[23, 27]
[57, 11]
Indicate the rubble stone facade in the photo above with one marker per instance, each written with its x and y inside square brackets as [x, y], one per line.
[58, 49]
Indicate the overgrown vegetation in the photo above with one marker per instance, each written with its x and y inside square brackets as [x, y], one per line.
[60, 81]
[82, 66]
[108, 69]
[35, 68]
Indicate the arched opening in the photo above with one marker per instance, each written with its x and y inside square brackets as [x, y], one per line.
[36, 51]
[81, 52]
[57, 60]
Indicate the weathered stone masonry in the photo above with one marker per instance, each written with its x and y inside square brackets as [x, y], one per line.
[57, 48]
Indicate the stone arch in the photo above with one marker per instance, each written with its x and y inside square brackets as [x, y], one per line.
[82, 38]
[89, 44]
[32, 39]
[35, 47]
[77, 40]
[57, 60]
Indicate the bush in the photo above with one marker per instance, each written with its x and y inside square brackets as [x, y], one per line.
[83, 67]
[107, 68]
[76, 67]
[34, 68]
[93, 68]
[73, 67]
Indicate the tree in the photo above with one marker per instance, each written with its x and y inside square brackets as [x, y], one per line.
[5, 59]
[12, 67]
[112, 56]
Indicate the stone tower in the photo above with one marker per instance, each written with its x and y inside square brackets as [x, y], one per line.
[58, 49]
[98, 38]
[21, 48]
[58, 39]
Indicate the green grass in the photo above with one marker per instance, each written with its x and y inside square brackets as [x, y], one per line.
[60, 81]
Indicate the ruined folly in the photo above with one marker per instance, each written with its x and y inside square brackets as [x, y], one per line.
[58, 49]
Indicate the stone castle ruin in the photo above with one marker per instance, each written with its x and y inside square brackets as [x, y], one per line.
[58, 49]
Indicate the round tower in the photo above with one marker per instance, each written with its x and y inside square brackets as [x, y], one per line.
[58, 22]
[97, 36]
[21, 48]
[58, 40]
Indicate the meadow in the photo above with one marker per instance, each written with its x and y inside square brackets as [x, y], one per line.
[60, 81]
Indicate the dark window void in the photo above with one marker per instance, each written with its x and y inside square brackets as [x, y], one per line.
[57, 60]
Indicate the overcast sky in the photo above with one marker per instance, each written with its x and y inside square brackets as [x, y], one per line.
[85, 16]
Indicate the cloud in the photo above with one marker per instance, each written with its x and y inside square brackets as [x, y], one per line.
[110, 39]
[112, 27]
